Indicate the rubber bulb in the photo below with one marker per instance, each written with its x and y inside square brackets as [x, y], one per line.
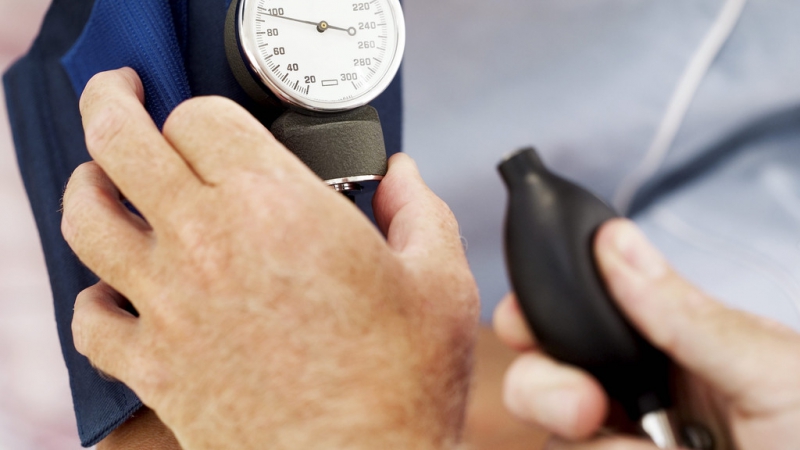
[549, 237]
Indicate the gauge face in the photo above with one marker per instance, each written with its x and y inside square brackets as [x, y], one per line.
[324, 55]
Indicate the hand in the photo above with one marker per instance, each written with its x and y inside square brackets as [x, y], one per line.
[269, 309]
[739, 372]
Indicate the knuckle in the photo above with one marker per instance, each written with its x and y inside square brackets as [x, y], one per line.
[93, 88]
[457, 293]
[80, 211]
[103, 79]
[84, 333]
[79, 201]
[98, 87]
[193, 112]
[79, 325]
[67, 229]
[445, 215]
[103, 128]
[215, 103]
[88, 171]
[85, 170]
[70, 219]
[183, 115]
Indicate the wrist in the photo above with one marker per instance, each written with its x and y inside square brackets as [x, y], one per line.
[381, 417]
[143, 431]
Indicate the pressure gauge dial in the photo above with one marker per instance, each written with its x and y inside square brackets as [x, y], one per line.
[321, 55]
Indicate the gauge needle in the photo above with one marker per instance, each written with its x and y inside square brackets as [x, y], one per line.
[321, 26]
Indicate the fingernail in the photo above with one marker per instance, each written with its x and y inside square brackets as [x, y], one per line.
[638, 252]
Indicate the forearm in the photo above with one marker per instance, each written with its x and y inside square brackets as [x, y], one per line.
[143, 431]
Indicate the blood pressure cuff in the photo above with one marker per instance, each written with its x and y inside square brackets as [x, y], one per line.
[177, 48]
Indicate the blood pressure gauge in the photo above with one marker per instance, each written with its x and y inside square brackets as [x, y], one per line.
[321, 55]
[324, 60]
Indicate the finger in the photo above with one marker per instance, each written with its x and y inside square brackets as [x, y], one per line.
[123, 139]
[413, 219]
[103, 331]
[603, 443]
[565, 401]
[106, 236]
[510, 325]
[723, 346]
[219, 139]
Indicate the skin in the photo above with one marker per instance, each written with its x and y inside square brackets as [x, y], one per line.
[737, 372]
[231, 357]
[488, 426]
[346, 336]
[143, 431]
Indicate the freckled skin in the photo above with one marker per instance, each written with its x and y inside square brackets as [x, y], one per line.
[271, 310]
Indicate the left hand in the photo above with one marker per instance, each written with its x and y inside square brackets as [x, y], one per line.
[271, 311]
[738, 372]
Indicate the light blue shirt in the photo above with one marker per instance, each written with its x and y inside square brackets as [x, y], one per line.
[589, 82]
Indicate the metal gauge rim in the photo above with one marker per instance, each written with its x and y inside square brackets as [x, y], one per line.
[248, 47]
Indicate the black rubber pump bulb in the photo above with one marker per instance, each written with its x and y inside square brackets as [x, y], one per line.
[550, 229]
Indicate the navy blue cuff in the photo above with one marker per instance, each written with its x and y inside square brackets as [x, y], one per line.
[177, 47]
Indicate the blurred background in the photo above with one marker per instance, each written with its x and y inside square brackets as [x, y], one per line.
[588, 83]
[35, 405]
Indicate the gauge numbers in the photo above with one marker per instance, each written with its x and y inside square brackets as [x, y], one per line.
[324, 54]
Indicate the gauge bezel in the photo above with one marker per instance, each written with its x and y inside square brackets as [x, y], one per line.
[249, 49]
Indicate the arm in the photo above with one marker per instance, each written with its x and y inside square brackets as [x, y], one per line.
[143, 431]
[488, 426]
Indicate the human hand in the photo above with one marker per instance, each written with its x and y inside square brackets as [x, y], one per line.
[271, 312]
[739, 372]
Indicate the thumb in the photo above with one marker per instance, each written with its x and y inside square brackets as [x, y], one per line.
[413, 219]
[727, 348]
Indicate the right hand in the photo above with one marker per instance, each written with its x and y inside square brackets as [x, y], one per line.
[740, 373]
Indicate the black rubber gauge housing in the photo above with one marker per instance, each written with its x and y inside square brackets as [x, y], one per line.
[333, 131]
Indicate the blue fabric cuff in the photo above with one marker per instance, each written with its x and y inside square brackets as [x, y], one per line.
[142, 35]
[149, 36]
